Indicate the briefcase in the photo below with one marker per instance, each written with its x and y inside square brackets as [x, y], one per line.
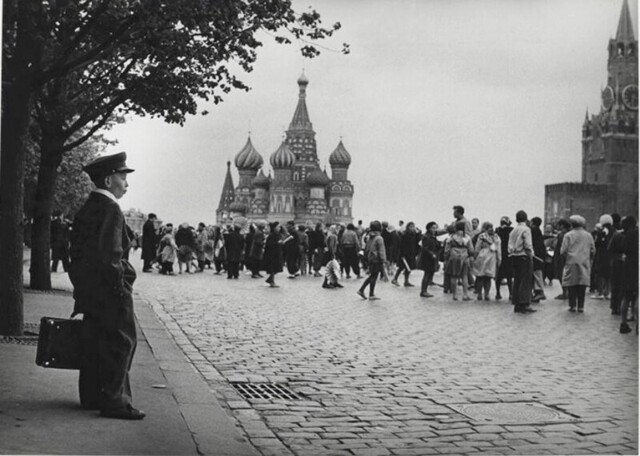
[59, 343]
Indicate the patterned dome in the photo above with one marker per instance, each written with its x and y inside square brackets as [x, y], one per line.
[340, 156]
[237, 206]
[282, 158]
[317, 178]
[261, 181]
[248, 157]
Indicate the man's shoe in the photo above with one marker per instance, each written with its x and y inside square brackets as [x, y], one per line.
[147, 270]
[572, 309]
[580, 309]
[395, 282]
[498, 297]
[327, 285]
[361, 294]
[528, 310]
[408, 284]
[125, 413]
[426, 295]
[561, 297]
[374, 298]
[624, 328]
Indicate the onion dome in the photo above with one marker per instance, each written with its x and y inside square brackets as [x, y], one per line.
[340, 156]
[302, 80]
[237, 206]
[261, 181]
[282, 158]
[248, 157]
[318, 178]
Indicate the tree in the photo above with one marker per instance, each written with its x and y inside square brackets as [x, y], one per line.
[72, 184]
[148, 57]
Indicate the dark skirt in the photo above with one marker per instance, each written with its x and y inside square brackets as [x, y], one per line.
[185, 253]
[272, 259]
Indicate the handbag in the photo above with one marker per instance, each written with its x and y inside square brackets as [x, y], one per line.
[59, 343]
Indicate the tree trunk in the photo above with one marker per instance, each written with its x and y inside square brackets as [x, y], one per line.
[14, 131]
[50, 158]
[17, 90]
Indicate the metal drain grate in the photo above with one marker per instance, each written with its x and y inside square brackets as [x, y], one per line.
[19, 340]
[30, 337]
[265, 391]
[513, 413]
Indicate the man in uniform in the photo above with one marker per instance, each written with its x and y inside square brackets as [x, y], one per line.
[149, 242]
[103, 281]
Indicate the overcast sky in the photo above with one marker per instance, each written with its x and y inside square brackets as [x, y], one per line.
[441, 102]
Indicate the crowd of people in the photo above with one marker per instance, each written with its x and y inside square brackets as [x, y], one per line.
[474, 257]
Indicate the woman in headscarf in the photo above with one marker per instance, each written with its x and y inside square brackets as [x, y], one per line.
[185, 240]
[167, 249]
[409, 245]
[578, 248]
[457, 252]
[488, 257]
[273, 258]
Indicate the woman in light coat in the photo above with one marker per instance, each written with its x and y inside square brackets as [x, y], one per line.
[488, 253]
[168, 251]
[456, 253]
[578, 249]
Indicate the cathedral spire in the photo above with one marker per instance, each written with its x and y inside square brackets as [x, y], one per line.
[625, 26]
[300, 119]
[228, 193]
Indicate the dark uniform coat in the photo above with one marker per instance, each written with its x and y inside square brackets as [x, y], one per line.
[103, 282]
[149, 240]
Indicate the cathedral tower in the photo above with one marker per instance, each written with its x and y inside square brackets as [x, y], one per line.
[248, 161]
[609, 141]
[223, 213]
[340, 190]
[282, 189]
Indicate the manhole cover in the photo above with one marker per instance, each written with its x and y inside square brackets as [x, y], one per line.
[265, 391]
[513, 413]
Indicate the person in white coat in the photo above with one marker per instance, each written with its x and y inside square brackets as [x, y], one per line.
[578, 248]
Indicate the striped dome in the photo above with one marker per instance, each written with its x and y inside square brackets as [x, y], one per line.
[340, 156]
[248, 157]
[317, 178]
[237, 206]
[282, 158]
[261, 181]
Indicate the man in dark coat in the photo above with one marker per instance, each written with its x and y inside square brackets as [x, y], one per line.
[291, 250]
[233, 243]
[59, 242]
[505, 270]
[149, 242]
[539, 252]
[103, 286]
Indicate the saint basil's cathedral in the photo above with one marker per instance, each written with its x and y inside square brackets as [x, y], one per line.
[298, 190]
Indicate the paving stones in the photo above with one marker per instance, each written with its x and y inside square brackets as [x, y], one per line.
[385, 378]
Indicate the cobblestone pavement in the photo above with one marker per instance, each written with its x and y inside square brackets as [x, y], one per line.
[393, 376]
